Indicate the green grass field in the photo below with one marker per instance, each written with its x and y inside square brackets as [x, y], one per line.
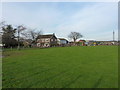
[61, 67]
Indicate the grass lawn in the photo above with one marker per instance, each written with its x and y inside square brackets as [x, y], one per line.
[61, 67]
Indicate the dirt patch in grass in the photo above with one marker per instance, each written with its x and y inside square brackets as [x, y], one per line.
[14, 54]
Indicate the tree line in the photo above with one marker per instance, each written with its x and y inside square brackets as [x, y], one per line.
[13, 36]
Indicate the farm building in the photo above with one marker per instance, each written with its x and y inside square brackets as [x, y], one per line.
[82, 42]
[107, 42]
[48, 40]
[94, 43]
[62, 41]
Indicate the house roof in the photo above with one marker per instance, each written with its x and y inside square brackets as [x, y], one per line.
[81, 40]
[46, 36]
[61, 38]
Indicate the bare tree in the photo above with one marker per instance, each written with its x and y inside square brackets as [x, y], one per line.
[19, 29]
[32, 34]
[75, 36]
[2, 24]
[35, 34]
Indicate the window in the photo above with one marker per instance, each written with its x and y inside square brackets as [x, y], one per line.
[38, 40]
[51, 39]
[38, 44]
[42, 40]
[46, 40]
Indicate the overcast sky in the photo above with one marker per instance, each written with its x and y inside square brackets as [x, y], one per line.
[94, 20]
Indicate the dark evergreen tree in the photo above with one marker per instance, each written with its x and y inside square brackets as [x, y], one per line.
[8, 37]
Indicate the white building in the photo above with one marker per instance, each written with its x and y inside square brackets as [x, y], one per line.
[62, 41]
[46, 40]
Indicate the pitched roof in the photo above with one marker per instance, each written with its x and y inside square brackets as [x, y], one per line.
[46, 36]
[61, 38]
[81, 40]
